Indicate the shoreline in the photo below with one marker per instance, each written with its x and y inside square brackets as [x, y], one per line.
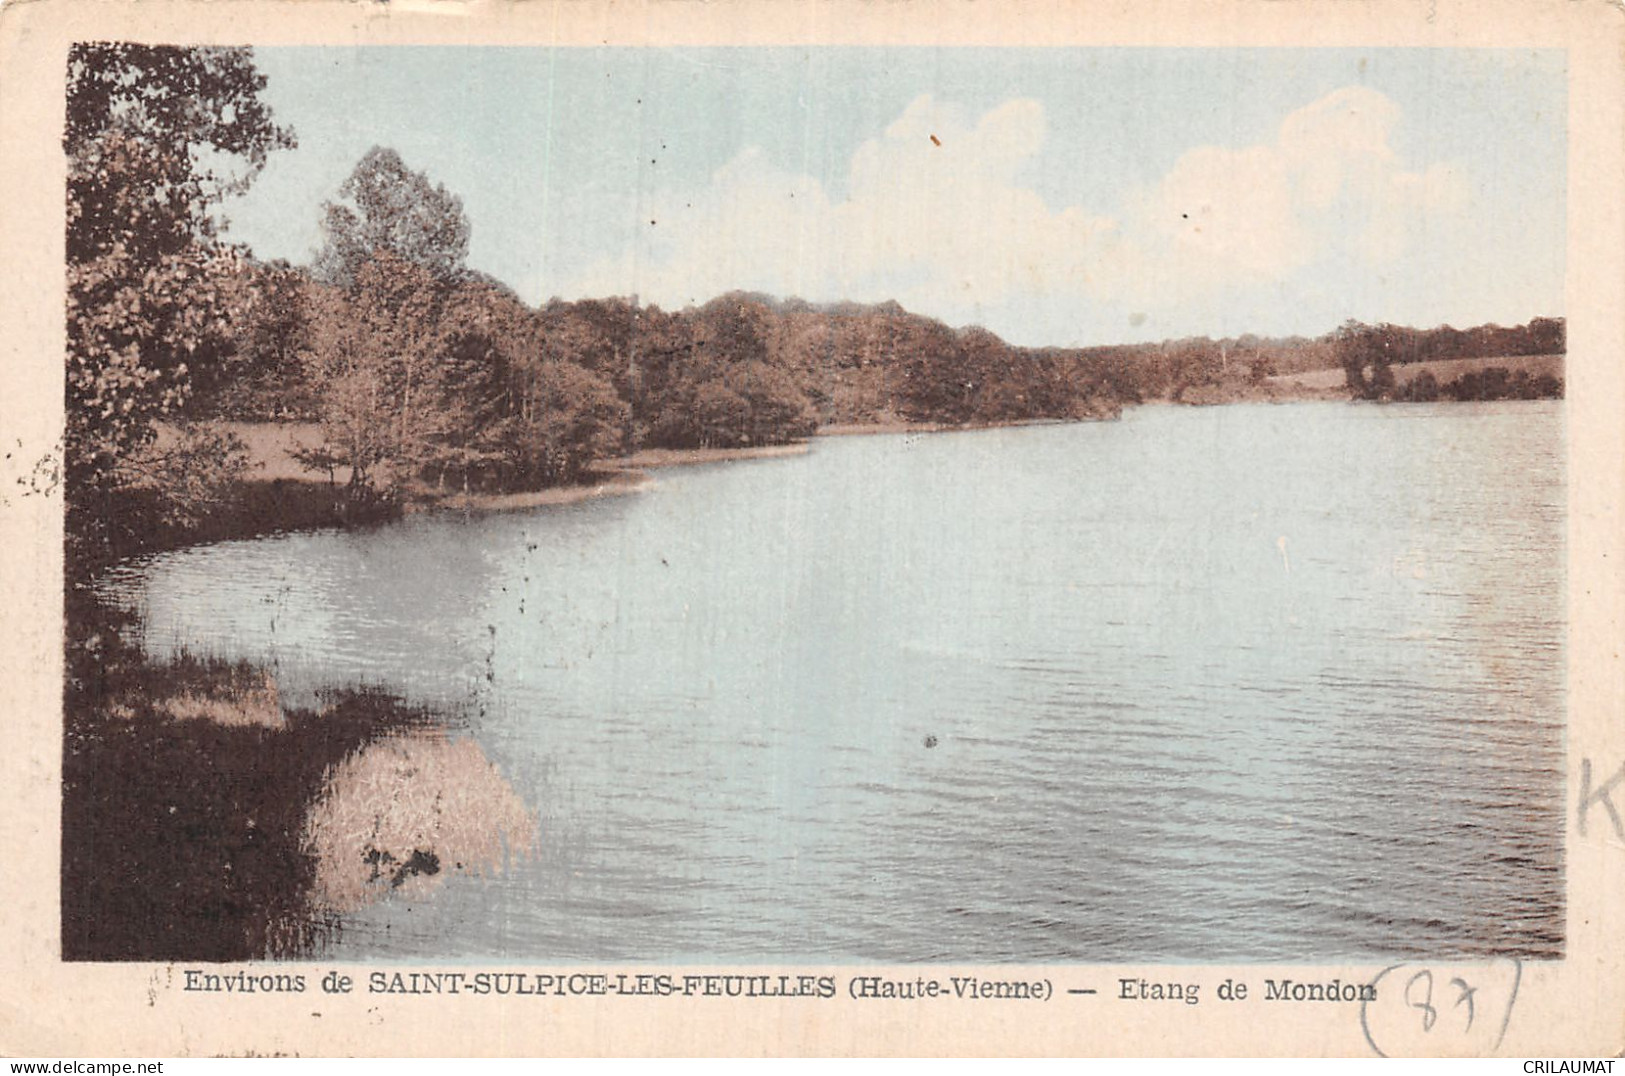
[281, 485]
[686, 457]
[899, 426]
[608, 478]
[610, 483]
[894, 426]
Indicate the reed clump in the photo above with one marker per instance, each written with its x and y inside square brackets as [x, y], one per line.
[404, 811]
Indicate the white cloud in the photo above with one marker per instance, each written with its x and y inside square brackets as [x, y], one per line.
[1330, 186]
[755, 227]
[934, 216]
[1222, 211]
[1322, 223]
[935, 212]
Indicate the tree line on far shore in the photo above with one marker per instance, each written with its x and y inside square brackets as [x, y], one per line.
[427, 377]
[1369, 353]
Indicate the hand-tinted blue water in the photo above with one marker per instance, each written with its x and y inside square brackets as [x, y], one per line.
[1236, 683]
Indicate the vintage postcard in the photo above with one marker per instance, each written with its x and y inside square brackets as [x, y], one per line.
[813, 528]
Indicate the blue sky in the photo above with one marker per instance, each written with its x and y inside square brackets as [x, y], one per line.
[1071, 196]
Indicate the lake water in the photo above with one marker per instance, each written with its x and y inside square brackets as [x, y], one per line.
[1236, 683]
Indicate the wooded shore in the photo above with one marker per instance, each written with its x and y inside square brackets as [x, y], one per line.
[276, 492]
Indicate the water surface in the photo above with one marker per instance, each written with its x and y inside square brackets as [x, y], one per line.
[1239, 683]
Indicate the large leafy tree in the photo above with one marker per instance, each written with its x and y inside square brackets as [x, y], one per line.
[1366, 353]
[528, 407]
[156, 137]
[390, 271]
[713, 378]
[429, 375]
[567, 416]
[385, 206]
[266, 376]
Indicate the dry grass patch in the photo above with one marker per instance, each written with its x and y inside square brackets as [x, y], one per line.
[235, 704]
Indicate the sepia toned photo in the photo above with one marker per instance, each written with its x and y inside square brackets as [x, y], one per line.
[1201, 513]
[835, 514]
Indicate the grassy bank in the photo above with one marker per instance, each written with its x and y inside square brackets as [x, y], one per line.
[182, 825]
[133, 521]
[277, 493]
[201, 820]
[272, 447]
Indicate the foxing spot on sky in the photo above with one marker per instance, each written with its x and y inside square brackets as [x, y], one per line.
[1056, 196]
